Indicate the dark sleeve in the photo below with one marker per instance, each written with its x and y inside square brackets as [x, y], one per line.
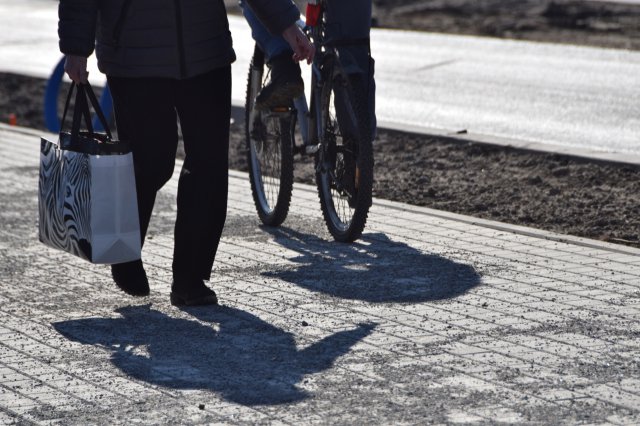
[77, 26]
[275, 15]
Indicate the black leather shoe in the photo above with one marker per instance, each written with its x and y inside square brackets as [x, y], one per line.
[195, 294]
[131, 278]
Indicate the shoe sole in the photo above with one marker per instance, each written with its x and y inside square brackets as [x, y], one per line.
[142, 293]
[284, 97]
[203, 301]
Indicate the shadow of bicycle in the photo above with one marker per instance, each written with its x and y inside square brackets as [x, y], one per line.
[231, 352]
[373, 269]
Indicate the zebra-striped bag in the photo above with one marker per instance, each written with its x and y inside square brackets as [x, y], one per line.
[87, 192]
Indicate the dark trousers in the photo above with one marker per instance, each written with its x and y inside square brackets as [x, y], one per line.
[146, 112]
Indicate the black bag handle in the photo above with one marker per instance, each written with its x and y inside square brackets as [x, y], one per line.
[80, 107]
[96, 107]
[81, 110]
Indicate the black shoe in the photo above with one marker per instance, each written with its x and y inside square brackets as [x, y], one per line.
[195, 294]
[285, 85]
[131, 278]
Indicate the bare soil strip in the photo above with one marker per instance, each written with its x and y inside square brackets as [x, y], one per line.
[552, 192]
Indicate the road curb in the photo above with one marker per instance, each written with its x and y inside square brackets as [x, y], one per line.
[516, 229]
[465, 136]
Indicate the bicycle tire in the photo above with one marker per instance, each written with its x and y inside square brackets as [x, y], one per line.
[344, 167]
[269, 144]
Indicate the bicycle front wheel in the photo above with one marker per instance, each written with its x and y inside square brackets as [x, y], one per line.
[269, 139]
[344, 171]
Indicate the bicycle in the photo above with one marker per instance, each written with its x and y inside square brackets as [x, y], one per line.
[334, 129]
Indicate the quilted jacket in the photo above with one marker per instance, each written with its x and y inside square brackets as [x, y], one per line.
[159, 38]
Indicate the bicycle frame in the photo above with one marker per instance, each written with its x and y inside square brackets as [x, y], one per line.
[309, 117]
[300, 104]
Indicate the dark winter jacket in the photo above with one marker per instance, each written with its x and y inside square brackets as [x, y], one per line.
[159, 38]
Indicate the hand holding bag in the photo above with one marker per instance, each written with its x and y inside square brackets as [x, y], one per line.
[87, 191]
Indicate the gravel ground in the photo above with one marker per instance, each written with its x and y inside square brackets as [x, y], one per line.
[546, 191]
[552, 192]
[560, 21]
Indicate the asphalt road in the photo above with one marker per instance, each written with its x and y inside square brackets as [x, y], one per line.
[556, 95]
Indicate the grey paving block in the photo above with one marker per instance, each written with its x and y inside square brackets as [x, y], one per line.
[430, 318]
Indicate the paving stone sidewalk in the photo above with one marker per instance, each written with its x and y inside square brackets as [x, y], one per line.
[430, 318]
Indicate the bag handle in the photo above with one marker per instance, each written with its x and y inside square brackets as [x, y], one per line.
[96, 107]
[81, 110]
[77, 109]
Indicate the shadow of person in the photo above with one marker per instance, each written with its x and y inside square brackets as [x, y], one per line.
[225, 350]
[373, 269]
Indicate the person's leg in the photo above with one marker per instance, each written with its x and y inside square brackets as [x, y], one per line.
[286, 81]
[204, 108]
[145, 117]
[350, 22]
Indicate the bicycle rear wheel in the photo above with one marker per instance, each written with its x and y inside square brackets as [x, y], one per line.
[344, 172]
[269, 139]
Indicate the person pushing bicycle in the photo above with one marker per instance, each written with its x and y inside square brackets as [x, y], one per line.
[336, 124]
[348, 25]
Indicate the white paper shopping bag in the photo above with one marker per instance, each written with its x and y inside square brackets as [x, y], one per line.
[87, 192]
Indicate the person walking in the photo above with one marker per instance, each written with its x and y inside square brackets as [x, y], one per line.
[167, 60]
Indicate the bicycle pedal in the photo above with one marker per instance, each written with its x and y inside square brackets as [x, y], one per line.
[280, 109]
[277, 115]
[311, 149]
